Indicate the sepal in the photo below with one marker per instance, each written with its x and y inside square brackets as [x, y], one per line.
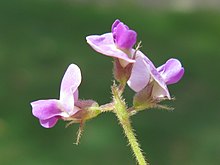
[122, 74]
[88, 109]
[144, 99]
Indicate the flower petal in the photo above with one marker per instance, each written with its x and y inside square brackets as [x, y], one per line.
[49, 123]
[158, 92]
[76, 96]
[172, 71]
[69, 85]
[115, 24]
[104, 44]
[163, 91]
[46, 109]
[148, 68]
[140, 75]
[124, 37]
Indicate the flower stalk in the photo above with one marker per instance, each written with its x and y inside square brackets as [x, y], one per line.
[123, 117]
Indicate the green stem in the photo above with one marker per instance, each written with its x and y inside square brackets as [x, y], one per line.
[123, 117]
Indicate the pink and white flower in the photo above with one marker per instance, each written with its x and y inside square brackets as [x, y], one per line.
[144, 73]
[51, 110]
[117, 44]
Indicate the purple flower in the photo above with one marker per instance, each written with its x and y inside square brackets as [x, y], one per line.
[144, 74]
[117, 44]
[50, 111]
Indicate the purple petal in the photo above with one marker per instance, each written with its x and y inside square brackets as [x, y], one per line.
[104, 44]
[48, 112]
[140, 75]
[46, 109]
[160, 89]
[69, 85]
[124, 38]
[115, 24]
[147, 67]
[172, 71]
[49, 123]
[76, 96]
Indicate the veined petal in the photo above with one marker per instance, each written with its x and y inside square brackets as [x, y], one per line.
[49, 123]
[104, 44]
[69, 85]
[140, 75]
[172, 71]
[46, 109]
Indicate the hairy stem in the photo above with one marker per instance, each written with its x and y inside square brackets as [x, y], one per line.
[123, 117]
[79, 132]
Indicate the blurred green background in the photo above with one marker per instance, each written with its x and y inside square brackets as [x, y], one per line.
[39, 39]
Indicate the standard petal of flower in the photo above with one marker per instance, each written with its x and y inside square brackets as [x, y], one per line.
[155, 76]
[104, 44]
[140, 75]
[49, 123]
[124, 38]
[172, 71]
[46, 109]
[70, 83]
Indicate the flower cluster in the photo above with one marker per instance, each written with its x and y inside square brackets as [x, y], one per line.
[136, 69]
[131, 67]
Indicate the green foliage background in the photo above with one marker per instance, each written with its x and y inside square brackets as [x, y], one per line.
[39, 39]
